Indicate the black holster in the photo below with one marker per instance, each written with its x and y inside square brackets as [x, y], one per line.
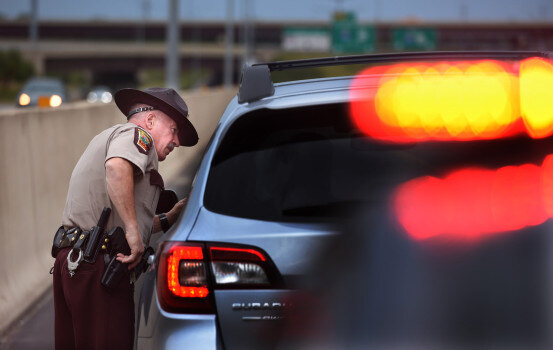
[115, 270]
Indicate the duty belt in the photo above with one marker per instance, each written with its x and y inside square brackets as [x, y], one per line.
[86, 244]
[76, 238]
[83, 249]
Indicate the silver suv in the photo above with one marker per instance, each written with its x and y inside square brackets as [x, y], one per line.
[317, 200]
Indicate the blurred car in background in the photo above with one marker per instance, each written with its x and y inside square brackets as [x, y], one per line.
[42, 92]
[404, 207]
[101, 94]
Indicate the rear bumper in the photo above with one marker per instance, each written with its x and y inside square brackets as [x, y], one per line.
[175, 331]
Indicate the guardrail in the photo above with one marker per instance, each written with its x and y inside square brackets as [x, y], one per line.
[39, 149]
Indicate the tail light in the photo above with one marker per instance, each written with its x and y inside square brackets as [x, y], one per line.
[189, 272]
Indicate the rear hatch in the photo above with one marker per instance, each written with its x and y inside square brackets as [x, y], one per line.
[269, 188]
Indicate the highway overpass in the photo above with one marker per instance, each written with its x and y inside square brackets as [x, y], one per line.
[118, 64]
[116, 52]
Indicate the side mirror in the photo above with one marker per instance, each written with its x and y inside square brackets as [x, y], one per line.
[167, 200]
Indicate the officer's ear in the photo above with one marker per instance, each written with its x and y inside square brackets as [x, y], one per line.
[150, 120]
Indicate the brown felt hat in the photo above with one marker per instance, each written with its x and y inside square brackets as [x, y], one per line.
[164, 99]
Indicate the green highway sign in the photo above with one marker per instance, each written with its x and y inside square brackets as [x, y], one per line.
[349, 37]
[409, 38]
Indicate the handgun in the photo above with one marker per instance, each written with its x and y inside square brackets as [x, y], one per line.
[116, 270]
[96, 233]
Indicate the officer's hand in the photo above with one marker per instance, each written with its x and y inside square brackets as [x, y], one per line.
[173, 214]
[134, 239]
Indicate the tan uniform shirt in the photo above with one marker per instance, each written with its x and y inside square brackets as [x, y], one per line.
[88, 195]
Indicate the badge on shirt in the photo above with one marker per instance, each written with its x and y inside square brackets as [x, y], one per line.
[142, 140]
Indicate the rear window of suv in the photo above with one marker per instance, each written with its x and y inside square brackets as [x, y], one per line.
[311, 164]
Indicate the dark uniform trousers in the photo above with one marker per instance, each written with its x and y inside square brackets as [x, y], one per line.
[88, 316]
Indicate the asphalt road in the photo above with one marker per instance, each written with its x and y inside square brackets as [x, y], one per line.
[35, 330]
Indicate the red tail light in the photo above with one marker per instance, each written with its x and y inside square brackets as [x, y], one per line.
[182, 281]
[189, 259]
[189, 272]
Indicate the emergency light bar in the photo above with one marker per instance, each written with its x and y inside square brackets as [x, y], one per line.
[454, 100]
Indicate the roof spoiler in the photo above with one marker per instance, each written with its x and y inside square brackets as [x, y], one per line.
[256, 82]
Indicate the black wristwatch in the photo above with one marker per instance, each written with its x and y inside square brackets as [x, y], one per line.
[165, 225]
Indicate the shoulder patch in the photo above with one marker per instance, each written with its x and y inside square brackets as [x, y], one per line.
[142, 140]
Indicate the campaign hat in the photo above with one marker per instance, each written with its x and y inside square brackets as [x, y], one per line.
[166, 100]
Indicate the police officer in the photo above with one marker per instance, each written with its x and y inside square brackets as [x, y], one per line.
[119, 170]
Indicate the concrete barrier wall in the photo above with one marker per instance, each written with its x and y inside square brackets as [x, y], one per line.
[39, 148]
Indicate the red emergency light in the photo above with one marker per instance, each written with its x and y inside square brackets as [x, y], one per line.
[472, 203]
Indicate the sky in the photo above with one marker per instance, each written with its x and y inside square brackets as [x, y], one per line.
[292, 10]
